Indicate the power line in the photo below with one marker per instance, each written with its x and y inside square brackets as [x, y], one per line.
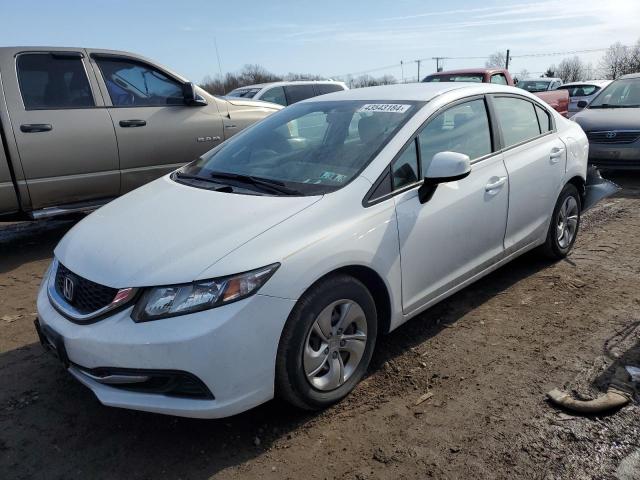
[483, 57]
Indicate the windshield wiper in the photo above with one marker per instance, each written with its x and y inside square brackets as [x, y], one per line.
[607, 105]
[186, 176]
[266, 183]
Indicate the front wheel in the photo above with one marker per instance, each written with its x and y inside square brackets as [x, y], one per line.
[327, 343]
[565, 222]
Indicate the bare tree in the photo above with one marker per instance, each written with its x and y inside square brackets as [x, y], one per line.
[524, 73]
[496, 60]
[571, 70]
[615, 61]
[551, 72]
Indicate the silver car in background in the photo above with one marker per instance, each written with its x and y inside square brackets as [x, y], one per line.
[582, 91]
[287, 93]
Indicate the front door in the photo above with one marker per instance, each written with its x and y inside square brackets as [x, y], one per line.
[156, 131]
[65, 139]
[460, 230]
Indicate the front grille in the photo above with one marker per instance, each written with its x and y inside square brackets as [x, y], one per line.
[614, 136]
[87, 296]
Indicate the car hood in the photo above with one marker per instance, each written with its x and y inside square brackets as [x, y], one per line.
[166, 232]
[608, 119]
[247, 102]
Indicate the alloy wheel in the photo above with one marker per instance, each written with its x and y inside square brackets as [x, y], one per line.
[335, 345]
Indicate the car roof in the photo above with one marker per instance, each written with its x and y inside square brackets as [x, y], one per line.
[462, 71]
[542, 79]
[422, 91]
[587, 82]
[292, 82]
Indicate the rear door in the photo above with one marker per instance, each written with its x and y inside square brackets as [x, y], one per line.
[65, 138]
[156, 131]
[536, 161]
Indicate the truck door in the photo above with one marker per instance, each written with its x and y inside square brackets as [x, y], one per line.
[65, 140]
[156, 131]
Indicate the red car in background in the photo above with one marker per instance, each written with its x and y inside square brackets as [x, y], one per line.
[557, 99]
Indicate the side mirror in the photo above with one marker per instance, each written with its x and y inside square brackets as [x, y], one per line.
[582, 103]
[190, 95]
[444, 167]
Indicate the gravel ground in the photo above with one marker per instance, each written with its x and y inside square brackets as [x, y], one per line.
[485, 358]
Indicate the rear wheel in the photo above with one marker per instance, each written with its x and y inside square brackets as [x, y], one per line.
[327, 343]
[565, 223]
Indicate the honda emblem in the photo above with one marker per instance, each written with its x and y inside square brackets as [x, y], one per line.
[68, 288]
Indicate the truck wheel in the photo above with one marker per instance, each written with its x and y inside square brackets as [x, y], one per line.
[327, 343]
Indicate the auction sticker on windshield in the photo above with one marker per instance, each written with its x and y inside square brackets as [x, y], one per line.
[384, 107]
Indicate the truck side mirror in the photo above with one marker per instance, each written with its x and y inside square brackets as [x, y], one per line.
[191, 97]
[444, 167]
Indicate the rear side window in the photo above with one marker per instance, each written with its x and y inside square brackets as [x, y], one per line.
[323, 88]
[131, 83]
[463, 128]
[296, 93]
[274, 95]
[53, 81]
[544, 120]
[518, 120]
[499, 78]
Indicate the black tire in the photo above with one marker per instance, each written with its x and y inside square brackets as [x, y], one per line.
[552, 248]
[291, 382]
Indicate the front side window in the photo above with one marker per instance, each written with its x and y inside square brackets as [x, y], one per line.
[404, 170]
[297, 93]
[274, 95]
[463, 128]
[518, 120]
[132, 83]
[309, 147]
[53, 81]
[499, 79]
[623, 93]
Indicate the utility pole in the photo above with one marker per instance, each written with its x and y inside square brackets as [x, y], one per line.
[437, 59]
[418, 62]
[402, 70]
[506, 63]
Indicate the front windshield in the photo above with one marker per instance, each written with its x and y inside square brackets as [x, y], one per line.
[534, 85]
[311, 147]
[619, 94]
[243, 92]
[461, 77]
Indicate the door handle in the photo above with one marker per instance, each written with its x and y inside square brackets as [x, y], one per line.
[35, 127]
[132, 123]
[494, 185]
[556, 154]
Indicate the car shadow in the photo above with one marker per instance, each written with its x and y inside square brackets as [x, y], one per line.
[628, 180]
[25, 242]
[44, 410]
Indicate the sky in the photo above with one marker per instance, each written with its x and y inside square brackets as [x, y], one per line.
[326, 37]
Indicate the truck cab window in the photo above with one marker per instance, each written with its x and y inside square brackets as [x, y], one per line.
[132, 83]
[48, 82]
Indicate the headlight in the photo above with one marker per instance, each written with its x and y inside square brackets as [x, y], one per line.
[173, 300]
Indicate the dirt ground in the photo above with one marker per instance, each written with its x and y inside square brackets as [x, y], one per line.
[487, 355]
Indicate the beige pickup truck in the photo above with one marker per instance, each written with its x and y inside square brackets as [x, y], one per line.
[81, 126]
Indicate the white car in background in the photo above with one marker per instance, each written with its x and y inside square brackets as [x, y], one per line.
[270, 266]
[582, 91]
[287, 93]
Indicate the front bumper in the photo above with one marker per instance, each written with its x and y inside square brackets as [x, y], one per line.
[231, 349]
[623, 156]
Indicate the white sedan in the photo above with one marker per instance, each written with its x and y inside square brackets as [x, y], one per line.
[271, 265]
